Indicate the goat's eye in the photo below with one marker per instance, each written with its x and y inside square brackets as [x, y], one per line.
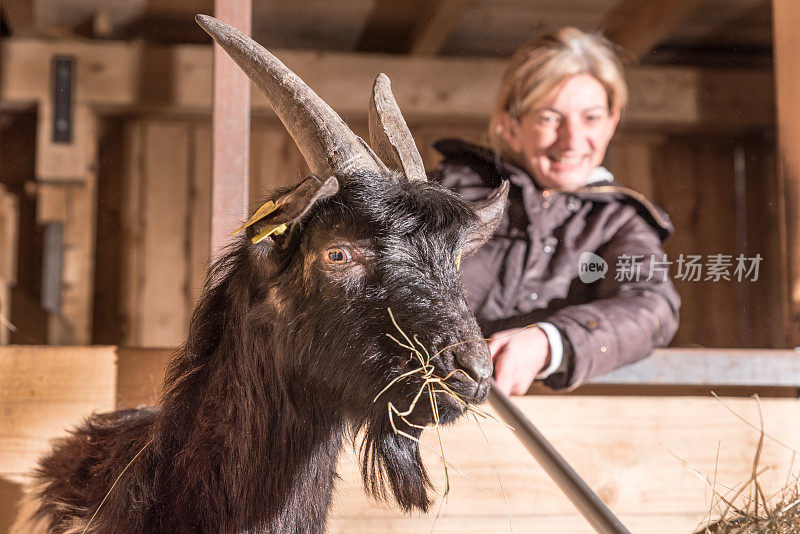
[338, 255]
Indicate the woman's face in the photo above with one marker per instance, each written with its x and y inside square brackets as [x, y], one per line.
[565, 136]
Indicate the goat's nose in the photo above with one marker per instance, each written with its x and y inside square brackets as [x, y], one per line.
[475, 361]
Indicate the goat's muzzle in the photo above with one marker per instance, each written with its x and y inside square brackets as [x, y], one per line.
[473, 368]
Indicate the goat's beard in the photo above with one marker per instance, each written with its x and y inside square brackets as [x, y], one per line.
[391, 465]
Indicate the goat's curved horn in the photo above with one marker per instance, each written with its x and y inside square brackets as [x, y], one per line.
[389, 134]
[328, 145]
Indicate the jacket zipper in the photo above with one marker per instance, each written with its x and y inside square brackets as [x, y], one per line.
[631, 193]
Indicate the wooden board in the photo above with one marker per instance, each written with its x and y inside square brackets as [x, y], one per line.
[199, 211]
[630, 450]
[693, 181]
[75, 161]
[231, 132]
[640, 454]
[140, 374]
[9, 221]
[7, 327]
[463, 88]
[107, 74]
[162, 313]
[653, 23]
[787, 84]
[131, 233]
[77, 279]
[630, 159]
[46, 390]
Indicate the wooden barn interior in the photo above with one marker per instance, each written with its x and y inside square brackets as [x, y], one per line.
[107, 225]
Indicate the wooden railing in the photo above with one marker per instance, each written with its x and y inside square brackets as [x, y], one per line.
[642, 455]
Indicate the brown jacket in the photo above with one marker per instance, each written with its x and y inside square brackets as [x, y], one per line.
[528, 271]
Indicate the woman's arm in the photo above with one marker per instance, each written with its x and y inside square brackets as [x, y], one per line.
[637, 308]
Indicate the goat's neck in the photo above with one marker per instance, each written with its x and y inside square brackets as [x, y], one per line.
[272, 457]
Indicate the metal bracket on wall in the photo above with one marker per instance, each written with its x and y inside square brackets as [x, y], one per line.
[63, 69]
[52, 265]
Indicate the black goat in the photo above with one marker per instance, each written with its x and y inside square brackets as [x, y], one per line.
[287, 348]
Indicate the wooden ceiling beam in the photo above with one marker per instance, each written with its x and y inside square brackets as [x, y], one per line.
[652, 23]
[417, 27]
[433, 28]
[120, 77]
[18, 17]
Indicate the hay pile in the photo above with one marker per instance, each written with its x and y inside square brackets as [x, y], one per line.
[780, 517]
[746, 509]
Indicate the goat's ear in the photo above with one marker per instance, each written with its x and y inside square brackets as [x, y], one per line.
[290, 206]
[490, 213]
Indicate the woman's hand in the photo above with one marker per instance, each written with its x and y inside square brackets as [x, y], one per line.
[519, 355]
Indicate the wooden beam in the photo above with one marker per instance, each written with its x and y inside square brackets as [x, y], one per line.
[416, 27]
[389, 25]
[106, 74]
[435, 25]
[786, 18]
[9, 221]
[713, 367]
[163, 318]
[231, 131]
[9, 231]
[18, 16]
[463, 89]
[651, 23]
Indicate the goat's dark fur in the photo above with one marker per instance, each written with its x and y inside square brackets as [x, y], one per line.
[281, 364]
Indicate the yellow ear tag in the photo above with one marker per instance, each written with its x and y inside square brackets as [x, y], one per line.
[263, 211]
[267, 231]
[458, 259]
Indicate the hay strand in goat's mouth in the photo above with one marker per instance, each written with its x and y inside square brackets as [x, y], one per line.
[433, 384]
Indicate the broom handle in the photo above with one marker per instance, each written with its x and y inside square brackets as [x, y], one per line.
[585, 500]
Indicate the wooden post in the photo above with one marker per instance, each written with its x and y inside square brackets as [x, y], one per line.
[9, 224]
[231, 131]
[786, 17]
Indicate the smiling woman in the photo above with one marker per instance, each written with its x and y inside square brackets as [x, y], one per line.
[559, 104]
[565, 136]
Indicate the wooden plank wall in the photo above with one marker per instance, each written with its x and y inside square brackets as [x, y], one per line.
[694, 178]
[161, 190]
[644, 456]
[9, 222]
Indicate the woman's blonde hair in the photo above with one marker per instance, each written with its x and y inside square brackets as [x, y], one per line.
[543, 63]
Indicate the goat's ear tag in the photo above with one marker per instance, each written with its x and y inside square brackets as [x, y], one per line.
[263, 211]
[268, 230]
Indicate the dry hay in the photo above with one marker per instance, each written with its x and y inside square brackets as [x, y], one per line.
[433, 385]
[746, 509]
[780, 517]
